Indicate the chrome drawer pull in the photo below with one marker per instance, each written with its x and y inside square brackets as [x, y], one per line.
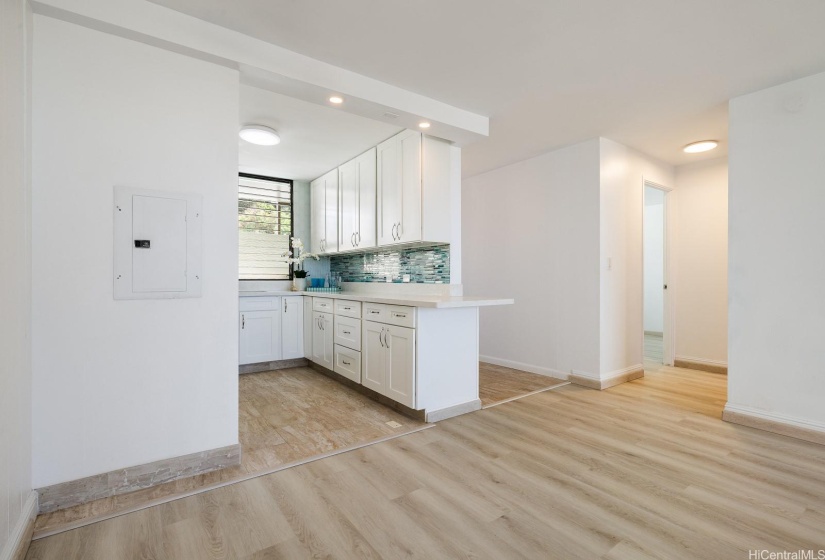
[346, 363]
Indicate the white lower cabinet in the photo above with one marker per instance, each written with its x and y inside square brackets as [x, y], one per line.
[322, 339]
[260, 339]
[348, 363]
[389, 361]
[292, 328]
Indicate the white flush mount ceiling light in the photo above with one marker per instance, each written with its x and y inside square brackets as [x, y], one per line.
[424, 125]
[701, 146]
[336, 100]
[260, 135]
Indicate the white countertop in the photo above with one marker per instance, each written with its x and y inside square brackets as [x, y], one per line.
[440, 302]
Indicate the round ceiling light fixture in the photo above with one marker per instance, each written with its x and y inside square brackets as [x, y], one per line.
[336, 99]
[260, 135]
[424, 125]
[701, 146]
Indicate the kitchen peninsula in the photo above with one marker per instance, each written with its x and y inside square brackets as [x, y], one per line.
[418, 351]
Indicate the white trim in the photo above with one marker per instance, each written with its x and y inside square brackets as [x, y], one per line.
[586, 375]
[454, 410]
[20, 531]
[703, 361]
[549, 372]
[777, 418]
[610, 376]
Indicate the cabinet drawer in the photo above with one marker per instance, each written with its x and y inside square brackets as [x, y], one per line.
[375, 312]
[348, 363]
[348, 308]
[258, 303]
[400, 315]
[322, 304]
[348, 332]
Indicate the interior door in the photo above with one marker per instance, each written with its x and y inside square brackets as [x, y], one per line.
[373, 368]
[400, 368]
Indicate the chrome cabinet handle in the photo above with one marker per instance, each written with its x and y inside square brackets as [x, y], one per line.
[243, 322]
[284, 305]
[347, 332]
[394, 236]
[399, 231]
[379, 338]
[352, 239]
[346, 363]
[386, 342]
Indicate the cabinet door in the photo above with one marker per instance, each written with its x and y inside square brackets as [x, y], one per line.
[348, 198]
[260, 339]
[389, 190]
[322, 336]
[317, 219]
[410, 157]
[307, 326]
[367, 210]
[331, 212]
[400, 369]
[373, 356]
[292, 328]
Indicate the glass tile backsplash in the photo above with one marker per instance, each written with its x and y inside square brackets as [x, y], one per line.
[424, 265]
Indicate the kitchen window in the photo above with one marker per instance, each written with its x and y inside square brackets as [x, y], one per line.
[264, 227]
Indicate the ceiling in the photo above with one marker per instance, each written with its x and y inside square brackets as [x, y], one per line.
[314, 138]
[651, 74]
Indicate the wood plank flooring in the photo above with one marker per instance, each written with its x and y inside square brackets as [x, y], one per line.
[642, 470]
[499, 384]
[654, 348]
[285, 416]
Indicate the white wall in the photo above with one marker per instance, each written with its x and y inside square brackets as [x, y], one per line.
[701, 270]
[777, 243]
[531, 232]
[15, 272]
[119, 383]
[654, 262]
[623, 173]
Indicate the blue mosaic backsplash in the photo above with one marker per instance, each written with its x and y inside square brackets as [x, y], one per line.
[425, 265]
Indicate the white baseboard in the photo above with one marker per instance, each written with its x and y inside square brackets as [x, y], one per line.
[799, 428]
[704, 361]
[451, 411]
[21, 533]
[549, 372]
[607, 380]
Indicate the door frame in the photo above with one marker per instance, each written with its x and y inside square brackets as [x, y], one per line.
[668, 321]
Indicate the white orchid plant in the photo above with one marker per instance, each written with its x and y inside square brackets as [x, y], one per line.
[297, 256]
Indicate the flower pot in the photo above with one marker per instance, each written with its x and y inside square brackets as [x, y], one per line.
[299, 284]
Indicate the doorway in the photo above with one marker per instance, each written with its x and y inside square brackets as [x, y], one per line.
[656, 300]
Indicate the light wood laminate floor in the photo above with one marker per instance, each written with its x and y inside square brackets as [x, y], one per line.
[642, 470]
[500, 384]
[654, 348]
[286, 416]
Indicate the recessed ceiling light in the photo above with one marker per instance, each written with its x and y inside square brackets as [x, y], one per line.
[335, 99]
[701, 146]
[260, 135]
[424, 125]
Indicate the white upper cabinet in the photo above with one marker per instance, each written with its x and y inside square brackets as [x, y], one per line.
[357, 184]
[415, 181]
[324, 213]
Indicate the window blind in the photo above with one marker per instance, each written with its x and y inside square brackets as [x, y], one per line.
[265, 226]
